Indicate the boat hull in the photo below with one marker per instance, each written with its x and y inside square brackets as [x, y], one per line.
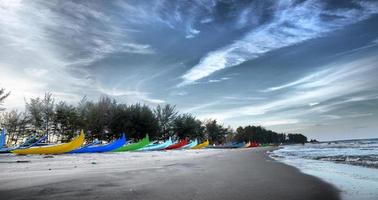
[157, 147]
[102, 148]
[178, 145]
[54, 149]
[202, 145]
[135, 146]
[190, 145]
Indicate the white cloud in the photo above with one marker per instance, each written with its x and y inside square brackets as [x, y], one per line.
[293, 23]
[47, 49]
[344, 79]
[279, 122]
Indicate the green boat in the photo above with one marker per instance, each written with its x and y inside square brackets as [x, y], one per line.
[134, 146]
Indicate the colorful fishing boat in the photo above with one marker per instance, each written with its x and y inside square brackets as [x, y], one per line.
[53, 149]
[232, 145]
[2, 138]
[134, 146]
[177, 145]
[155, 147]
[190, 145]
[23, 145]
[253, 144]
[102, 148]
[202, 145]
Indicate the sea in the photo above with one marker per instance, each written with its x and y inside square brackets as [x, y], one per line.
[350, 165]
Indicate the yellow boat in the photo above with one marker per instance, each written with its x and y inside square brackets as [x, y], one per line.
[202, 145]
[54, 149]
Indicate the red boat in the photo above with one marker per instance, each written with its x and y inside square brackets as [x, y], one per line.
[177, 145]
[253, 144]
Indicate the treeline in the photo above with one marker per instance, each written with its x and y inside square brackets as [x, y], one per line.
[261, 135]
[106, 119]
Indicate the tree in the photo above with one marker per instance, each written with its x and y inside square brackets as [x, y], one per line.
[296, 138]
[216, 132]
[97, 117]
[66, 120]
[3, 96]
[136, 120]
[15, 124]
[34, 110]
[261, 135]
[187, 126]
[47, 110]
[165, 117]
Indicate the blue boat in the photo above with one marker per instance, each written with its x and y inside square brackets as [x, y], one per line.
[232, 145]
[155, 147]
[102, 148]
[190, 145]
[2, 138]
[26, 144]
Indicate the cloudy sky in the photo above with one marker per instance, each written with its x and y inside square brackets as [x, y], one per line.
[294, 66]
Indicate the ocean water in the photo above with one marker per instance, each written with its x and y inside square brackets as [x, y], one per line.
[351, 166]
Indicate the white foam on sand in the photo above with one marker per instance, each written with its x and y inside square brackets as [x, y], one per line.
[45, 169]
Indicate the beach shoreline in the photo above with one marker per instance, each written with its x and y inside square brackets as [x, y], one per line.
[188, 174]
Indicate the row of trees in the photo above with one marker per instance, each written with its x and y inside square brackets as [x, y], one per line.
[106, 119]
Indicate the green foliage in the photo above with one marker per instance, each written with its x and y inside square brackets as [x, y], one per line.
[135, 120]
[261, 135]
[216, 133]
[66, 120]
[165, 117]
[296, 138]
[187, 126]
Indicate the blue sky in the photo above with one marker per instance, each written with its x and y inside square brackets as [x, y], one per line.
[292, 66]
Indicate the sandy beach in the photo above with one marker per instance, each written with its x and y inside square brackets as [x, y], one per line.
[190, 174]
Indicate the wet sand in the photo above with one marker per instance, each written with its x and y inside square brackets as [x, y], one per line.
[192, 174]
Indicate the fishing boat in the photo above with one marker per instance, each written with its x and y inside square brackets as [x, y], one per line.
[232, 145]
[53, 149]
[23, 145]
[190, 145]
[2, 138]
[177, 145]
[202, 145]
[253, 144]
[155, 147]
[102, 148]
[134, 146]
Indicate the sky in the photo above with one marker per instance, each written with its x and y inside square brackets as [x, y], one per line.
[300, 66]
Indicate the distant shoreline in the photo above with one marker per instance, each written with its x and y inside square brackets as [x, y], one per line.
[188, 174]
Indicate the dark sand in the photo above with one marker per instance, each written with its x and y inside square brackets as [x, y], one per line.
[231, 174]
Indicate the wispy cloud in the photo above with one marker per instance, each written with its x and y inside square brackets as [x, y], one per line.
[292, 23]
[54, 42]
[343, 81]
[130, 96]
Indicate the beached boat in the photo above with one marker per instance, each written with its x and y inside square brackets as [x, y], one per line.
[190, 145]
[202, 145]
[253, 144]
[102, 148]
[24, 145]
[134, 146]
[232, 145]
[177, 145]
[2, 138]
[155, 147]
[53, 149]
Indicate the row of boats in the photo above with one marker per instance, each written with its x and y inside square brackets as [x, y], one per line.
[118, 145]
